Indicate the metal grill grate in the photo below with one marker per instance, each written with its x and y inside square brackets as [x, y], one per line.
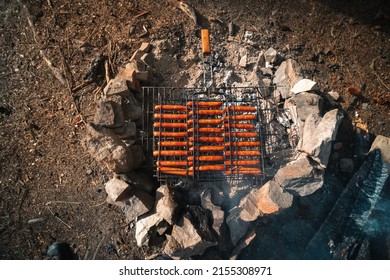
[193, 135]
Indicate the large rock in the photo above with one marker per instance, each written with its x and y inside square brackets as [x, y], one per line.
[318, 134]
[117, 190]
[117, 86]
[304, 85]
[271, 198]
[137, 205]
[166, 204]
[107, 148]
[145, 226]
[109, 114]
[248, 205]
[300, 177]
[217, 213]
[185, 241]
[287, 75]
[306, 104]
[238, 227]
[127, 132]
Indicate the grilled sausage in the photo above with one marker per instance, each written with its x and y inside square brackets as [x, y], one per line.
[244, 171]
[239, 126]
[205, 104]
[240, 118]
[208, 168]
[175, 171]
[207, 139]
[170, 153]
[206, 112]
[243, 144]
[169, 107]
[243, 153]
[171, 116]
[209, 148]
[241, 134]
[242, 162]
[168, 163]
[170, 134]
[205, 121]
[241, 109]
[172, 144]
[206, 158]
[170, 125]
[206, 130]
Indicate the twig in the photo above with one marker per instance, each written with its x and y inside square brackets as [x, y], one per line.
[98, 247]
[59, 219]
[107, 70]
[141, 14]
[382, 82]
[61, 202]
[81, 86]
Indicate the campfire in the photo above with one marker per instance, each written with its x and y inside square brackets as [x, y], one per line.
[220, 164]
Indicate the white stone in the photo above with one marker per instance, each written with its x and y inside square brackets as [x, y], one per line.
[318, 134]
[304, 85]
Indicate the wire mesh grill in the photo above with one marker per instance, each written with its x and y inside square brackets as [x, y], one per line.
[193, 135]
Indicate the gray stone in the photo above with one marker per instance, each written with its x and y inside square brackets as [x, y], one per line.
[109, 114]
[266, 71]
[287, 75]
[137, 205]
[300, 177]
[260, 62]
[135, 66]
[166, 204]
[304, 85]
[129, 131]
[117, 190]
[243, 61]
[318, 134]
[270, 55]
[185, 241]
[144, 228]
[117, 86]
[107, 148]
[238, 227]
[306, 104]
[131, 108]
[346, 165]
[291, 110]
[217, 213]
[272, 198]
[248, 205]
[335, 95]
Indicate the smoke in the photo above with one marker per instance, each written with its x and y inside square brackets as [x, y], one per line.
[379, 221]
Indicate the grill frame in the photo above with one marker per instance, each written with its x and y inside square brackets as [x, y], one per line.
[232, 96]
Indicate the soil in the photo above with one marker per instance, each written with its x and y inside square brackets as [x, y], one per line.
[44, 171]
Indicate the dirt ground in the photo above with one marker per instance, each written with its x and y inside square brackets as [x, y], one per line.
[44, 171]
